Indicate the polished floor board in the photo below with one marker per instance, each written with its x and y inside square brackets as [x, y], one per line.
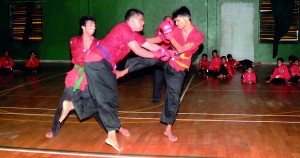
[217, 118]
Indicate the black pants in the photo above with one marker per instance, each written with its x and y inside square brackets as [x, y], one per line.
[174, 80]
[158, 83]
[223, 70]
[102, 85]
[69, 95]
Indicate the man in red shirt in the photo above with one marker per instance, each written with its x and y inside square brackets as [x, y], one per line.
[100, 68]
[7, 63]
[76, 82]
[185, 38]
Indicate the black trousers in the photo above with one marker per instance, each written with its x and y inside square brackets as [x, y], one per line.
[69, 95]
[102, 85]
[174, 80]
[158, 83]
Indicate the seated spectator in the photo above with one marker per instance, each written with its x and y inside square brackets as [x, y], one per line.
[295, 71]
[280, 74]
[231, 61]
[203, 66]
[215, 63]
[291, 59]
[225, 69]
[7, 63]
[249, 76]
[32, 65]
[244, 64]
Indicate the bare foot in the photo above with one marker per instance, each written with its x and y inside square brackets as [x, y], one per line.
[112, 141]
[67, 107]
[49, 134]
[124, 132]
[122, 73]
[171, 137]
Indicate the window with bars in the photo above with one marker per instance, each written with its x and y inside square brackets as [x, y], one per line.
[26, 22]
[267, 24]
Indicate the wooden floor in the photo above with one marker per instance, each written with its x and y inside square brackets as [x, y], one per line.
[217, 118]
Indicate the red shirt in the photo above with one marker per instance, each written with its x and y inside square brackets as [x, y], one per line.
[232, 62]
[78, 55]
[7, 62]
[215, 64]
[281, 72]
[195, 36]
[115, 43]
[295, 70]
[249, 77]
[32, 62]
[203, 63]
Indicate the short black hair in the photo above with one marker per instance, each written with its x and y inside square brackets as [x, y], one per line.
[223, 57]
[204, 55]
[84, 19]
[132, 12]
[280, 59]
[182, 11]
[214, 51]
[229, 56]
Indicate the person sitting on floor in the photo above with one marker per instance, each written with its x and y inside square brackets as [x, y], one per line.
[215, 63]
[280, 74]
[232, 62]
[225, 69]
[7, 63]
[203, 66]
[32, 65]
[249, 76]
[295, 71]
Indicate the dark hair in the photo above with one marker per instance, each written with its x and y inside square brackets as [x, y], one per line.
[280, 59]
[132, 12]
[214, 51]
[292, 58]
[223, 57]
[182, 11]
[84, 19]
[229, 56]
[204, 55]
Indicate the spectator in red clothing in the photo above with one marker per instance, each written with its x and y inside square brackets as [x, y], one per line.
[215, 64]
[280, 74]
[231, 61]
[295, 71]
[32, 64]
[7, 63]
[225, 69]
[249, 76]
[203, 65]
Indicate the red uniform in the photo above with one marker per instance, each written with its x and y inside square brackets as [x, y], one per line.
[184, 61]
[281, 72]
[7, 62]
[232, 62]
[215, 64]
[115, 44]
[203, 63]
[249, 77]
[295, 70]
[32, 62]
[78, 55]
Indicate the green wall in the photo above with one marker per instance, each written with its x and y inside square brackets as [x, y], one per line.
[61, 23]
